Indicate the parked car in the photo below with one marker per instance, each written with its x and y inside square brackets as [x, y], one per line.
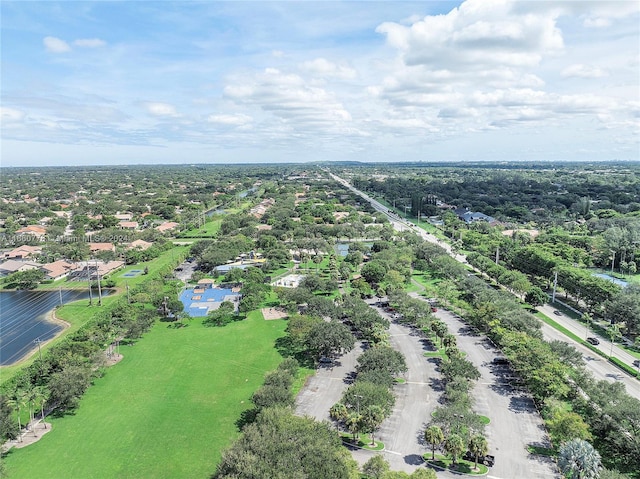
[636, 363]
[500, 360]
[487, 460]
[592, 340]
[557, 313]
[434, 309]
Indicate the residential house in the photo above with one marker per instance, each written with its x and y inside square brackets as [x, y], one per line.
[471, 217]
[128, 225]
[58, 269]
[97, 268]
[167, 226]
[23, 252]
[13, 266]
[37, 231]
[140, 244]
[97, 247]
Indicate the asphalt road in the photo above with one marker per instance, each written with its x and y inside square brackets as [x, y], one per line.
[579, 330]
[598, 366]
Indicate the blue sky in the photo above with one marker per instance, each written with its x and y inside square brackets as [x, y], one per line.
[297, 81]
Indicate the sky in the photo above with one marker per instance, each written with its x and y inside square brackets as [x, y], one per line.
[152, 82]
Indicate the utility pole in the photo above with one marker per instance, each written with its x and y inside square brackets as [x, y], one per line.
[497, 254]
[613, 260]
[89, 278]
[99, 289]
[128, 293]
[555, 285]
[60, 291]
[37, 341]
[165, 308]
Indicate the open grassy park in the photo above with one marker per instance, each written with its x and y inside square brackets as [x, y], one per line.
[165, 411]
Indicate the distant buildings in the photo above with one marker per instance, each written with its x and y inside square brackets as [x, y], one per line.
[472, 217]
[167, 226]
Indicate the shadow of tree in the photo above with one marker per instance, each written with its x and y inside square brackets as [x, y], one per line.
[248, 416]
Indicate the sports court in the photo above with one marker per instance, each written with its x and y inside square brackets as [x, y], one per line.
[199, 301]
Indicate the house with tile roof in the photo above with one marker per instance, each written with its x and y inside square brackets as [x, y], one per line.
[23, 252]
[58, 269]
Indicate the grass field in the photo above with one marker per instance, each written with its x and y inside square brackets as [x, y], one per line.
[167, 410]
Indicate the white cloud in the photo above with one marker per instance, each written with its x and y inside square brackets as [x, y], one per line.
[231, 120]
[324, 68]
[597, 22]
[55, 45]
[478, 34]
[89, 42]
[289, 98]
[579, 70]
[160, 109]
[11, 115]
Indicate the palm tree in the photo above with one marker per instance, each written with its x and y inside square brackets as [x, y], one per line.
[433, 435]
[339, 412]
[439, 328]
[16, 402]
[317, 259]
[478, 447]
[577, 459]
[454, 445]
[42, 394]
[449, 340]
[353, 423]
[31, 397]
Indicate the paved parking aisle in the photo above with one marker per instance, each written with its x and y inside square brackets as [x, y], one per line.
[325, 388]
[515, 422]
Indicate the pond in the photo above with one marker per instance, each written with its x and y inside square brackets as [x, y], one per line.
[23, 320]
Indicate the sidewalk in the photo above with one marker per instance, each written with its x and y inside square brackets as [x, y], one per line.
[28, 435]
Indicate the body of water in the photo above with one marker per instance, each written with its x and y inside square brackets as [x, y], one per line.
[23, 320]
[617, 281]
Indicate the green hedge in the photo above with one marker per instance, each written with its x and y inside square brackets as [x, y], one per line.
[625, 367]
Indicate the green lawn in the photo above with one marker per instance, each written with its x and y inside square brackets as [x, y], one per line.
[208, 230]
[167, 410]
